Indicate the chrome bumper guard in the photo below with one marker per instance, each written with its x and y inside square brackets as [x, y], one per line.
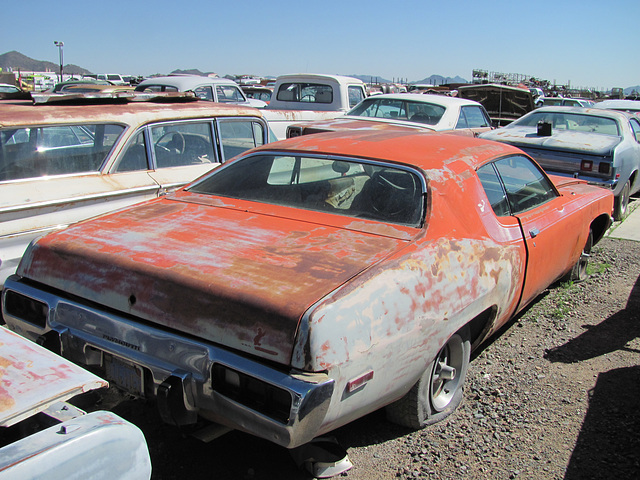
[177, 370]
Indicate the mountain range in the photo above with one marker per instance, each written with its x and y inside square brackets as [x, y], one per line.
[17, 61]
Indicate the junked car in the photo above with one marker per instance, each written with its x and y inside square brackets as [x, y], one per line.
[212, 89]
[631, 106]
[61, 163]
[47, 436]
[564, 102]
[601, 146]
[431, 112]
[311, 281]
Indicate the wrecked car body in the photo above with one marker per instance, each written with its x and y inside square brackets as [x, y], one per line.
[35, 381]
[311, 281]
[598, 145]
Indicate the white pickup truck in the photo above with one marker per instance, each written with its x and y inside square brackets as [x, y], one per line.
[306, 97]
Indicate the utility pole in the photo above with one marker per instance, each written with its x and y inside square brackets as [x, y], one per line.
[60, 45]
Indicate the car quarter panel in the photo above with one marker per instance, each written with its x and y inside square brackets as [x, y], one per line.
[392, 319]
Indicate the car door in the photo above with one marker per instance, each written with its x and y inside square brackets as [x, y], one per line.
[550, 233]
[181, 151]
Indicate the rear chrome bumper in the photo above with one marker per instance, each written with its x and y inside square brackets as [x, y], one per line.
[177, 370]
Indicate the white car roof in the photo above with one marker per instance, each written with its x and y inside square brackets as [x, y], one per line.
[186, 82]
[443, 100]
[633, 105]
[341, 79]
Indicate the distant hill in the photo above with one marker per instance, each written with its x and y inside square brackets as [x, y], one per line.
[440, 80]
[17, 61]
[630, 90]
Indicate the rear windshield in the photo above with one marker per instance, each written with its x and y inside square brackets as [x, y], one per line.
[55, 150]
[421, 112]
[572, 121]
[346, 187]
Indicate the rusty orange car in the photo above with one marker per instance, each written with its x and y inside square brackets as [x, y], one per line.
[309, 282]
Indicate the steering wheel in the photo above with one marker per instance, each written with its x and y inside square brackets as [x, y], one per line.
[180, 143]
[393, 193]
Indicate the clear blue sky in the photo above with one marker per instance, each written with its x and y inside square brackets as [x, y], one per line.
[586, 43]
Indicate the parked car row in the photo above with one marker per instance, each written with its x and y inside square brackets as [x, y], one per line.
[286, 289]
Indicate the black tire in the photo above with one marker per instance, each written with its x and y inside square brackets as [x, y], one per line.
[438, 392]
[579, 271]
[621, 209]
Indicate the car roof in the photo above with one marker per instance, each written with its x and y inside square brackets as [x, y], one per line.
[443, 100]
[600, 112]
[19, 114]
[627, 104]
[186, 82]
[293, 77]
[425, 150]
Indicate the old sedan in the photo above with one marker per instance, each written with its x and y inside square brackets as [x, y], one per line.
[311, 281]
[61, 163]
[430, 112]
[598, 145]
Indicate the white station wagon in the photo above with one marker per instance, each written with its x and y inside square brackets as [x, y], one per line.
[61, 163]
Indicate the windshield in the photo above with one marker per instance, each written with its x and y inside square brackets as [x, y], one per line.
[346, 187]
[421, 112]
[571, 121]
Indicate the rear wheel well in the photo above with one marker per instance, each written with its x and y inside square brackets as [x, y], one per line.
[599, 227]
[480, 325]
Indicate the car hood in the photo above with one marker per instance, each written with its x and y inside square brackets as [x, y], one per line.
[585, 142]
[226, 275]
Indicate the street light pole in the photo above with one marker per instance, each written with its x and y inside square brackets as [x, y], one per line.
[60, 45]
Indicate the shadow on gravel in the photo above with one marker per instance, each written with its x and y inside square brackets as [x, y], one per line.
[608, 336]
[609, 442]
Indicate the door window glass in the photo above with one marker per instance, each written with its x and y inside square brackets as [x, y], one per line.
[237, 136]
[134, 156]
[182, 144]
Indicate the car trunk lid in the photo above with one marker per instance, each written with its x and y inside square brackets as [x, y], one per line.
[230, 276]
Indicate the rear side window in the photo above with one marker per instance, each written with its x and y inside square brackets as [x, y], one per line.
[514, 185]
[356, 95]
[237, 136]
[229, 94]
[473, 117]
[55, 150]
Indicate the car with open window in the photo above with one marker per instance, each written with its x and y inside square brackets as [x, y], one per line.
[62, 162]
[309, 282]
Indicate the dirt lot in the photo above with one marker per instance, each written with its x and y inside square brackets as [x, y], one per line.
[555, 395]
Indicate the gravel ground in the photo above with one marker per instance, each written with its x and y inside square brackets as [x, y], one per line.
[556, 394]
